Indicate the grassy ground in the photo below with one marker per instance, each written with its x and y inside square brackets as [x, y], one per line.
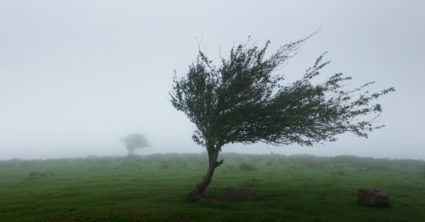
[244, 188]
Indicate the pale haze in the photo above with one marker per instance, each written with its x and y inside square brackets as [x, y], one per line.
[77, 76]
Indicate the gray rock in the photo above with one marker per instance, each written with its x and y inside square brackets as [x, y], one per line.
[373, 197]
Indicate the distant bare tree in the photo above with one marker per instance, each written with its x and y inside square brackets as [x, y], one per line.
[135, 141]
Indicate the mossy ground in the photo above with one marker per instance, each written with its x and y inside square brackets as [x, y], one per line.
[153, 188]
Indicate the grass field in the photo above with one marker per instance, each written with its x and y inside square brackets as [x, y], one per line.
[244, 188]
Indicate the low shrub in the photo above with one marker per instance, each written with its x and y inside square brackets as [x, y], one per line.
[164, 165]
[270, 163]
[338, 173]
[228, 169]
[246, 167]
[38, 174]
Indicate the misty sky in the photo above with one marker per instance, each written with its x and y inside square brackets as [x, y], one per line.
[77, 76]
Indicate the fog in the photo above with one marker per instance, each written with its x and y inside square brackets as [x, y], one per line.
[77, 76]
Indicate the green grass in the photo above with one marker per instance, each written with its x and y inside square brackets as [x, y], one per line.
[152, 188]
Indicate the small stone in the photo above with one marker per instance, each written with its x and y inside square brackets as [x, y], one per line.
[373, 197]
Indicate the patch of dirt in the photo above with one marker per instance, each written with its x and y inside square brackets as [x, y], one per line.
[266, 197]
[232, 195]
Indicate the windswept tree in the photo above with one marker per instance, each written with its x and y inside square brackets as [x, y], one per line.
[135, 141]
[244, 100]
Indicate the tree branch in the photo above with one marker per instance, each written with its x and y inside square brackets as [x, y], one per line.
[217, 164]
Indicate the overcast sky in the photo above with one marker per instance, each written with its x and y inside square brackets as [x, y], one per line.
[77, 76]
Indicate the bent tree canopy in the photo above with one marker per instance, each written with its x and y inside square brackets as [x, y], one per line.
[243, 100]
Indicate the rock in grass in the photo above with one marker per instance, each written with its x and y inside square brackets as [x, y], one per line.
[373, 197]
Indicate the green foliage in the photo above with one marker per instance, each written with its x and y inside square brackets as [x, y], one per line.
[244, 100]
[108, 189]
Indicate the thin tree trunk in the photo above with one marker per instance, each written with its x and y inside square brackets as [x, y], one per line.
[197, 193]
[130, 152]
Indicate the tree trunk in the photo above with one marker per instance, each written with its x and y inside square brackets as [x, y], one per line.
[197, 193]
[130, 152]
